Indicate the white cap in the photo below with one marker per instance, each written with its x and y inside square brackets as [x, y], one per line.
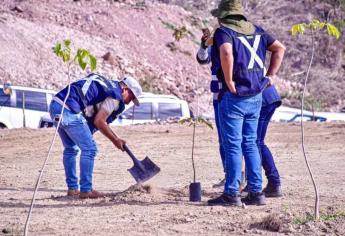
[134, 86]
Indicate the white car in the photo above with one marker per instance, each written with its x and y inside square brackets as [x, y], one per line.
[23, 106]
[288, 114]
[154, 107]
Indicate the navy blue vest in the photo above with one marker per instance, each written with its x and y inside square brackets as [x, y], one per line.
[90, 91]
[249, 53]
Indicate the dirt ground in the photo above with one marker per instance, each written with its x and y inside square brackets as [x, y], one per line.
[161, 207]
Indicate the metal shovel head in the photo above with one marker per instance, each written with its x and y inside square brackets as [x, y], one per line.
[144, 170]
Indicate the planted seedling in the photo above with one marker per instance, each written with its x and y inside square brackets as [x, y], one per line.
[195, 187]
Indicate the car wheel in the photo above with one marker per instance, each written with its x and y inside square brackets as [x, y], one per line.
[2, 126]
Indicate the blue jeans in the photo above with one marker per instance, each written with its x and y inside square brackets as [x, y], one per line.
[239, 121]
[270, 168]
[75, 134]
[216, 117]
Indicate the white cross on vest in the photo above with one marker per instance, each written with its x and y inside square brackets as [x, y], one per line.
[253, 56]
[88, 81]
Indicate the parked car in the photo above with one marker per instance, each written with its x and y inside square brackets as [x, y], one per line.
[154, 107]
[298, 118]
[332, 116]
[288, 114]
[34, 101]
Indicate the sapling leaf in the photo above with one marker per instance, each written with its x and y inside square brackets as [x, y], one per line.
[93, 62]
[314, 24]
[67, 42]
[82, 57]
[332, 30]
[81, 63]
[63, 50]
[322, 25]
[57, 49]
[298, 29]
[185, 120]
[203, 121]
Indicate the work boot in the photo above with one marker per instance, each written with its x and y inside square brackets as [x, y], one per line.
[93, 194]
[220, 184]
[272, 191]
[255, 199]
[73, 193]
[225, 200]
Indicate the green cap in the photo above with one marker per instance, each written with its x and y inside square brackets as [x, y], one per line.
[228, 8]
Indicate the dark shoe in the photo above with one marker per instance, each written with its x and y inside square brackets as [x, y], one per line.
[73, 193]
[220, 184]
[273, 191]
[255, 199]
[225, 200]
[93, 194]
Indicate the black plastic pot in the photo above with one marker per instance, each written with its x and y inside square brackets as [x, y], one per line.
[195, 192]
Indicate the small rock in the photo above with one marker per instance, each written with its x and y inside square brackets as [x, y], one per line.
[17, 9]
[89, 18]
[6, 231]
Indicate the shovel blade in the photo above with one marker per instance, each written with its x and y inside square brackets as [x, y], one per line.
[144, 170]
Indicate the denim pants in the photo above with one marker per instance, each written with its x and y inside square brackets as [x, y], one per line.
[216, 117]
[75, 134]
[239, 121]
[270, 168]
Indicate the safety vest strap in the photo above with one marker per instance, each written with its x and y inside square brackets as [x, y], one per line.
[89, 79]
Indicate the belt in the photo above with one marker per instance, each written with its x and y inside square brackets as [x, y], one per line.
[58, 100]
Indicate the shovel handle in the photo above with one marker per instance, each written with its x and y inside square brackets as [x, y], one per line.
[135, 160]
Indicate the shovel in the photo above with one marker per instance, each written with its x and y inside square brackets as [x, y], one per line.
[142, 170]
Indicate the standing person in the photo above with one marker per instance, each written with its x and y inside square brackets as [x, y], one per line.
[241, 48]
[203, 56]
[92, 104]
[270, 101]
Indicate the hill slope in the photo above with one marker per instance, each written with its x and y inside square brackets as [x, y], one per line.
[138, 36]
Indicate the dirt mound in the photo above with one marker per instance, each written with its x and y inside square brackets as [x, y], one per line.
[148, 194]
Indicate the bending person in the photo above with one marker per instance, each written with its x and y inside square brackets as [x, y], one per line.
[93, 103]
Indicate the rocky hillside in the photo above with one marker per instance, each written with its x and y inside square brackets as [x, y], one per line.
[135, 37]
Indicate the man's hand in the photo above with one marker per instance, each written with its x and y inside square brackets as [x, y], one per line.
[205, 36]
[101, 124]
[271, 79]
[232, 87]
[119, 143]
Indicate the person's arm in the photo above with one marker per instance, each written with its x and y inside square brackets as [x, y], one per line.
[227, 62]
[101, 122]
[203, 56]
[278, 51]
